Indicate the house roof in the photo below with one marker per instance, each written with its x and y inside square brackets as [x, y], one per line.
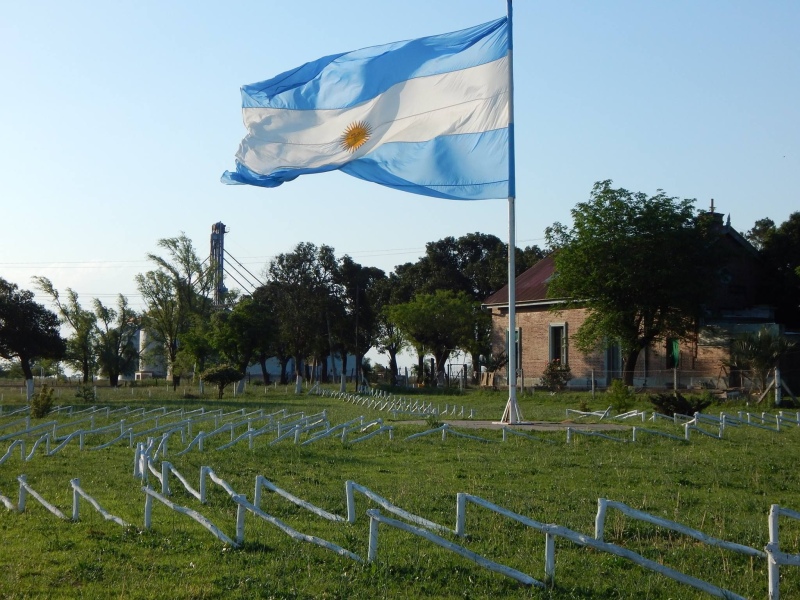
[531, 286]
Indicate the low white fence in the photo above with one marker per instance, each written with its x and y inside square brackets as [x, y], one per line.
[776, 558]
[553, 531]
[603, 505]
[426, 529]
[398, 405]
[375, 517]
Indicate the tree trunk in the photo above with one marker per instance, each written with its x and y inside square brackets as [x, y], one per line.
[262, 360]
[393, 367]
[85, 369]
[26, 370]
[113, 379]
[629, 367]
[284, 360]
[298, 366]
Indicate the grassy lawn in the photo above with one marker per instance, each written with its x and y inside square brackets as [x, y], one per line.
[721, 487]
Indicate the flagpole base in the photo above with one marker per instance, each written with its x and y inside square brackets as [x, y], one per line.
[512, 414]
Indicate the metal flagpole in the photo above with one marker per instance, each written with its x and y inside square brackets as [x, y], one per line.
[512, 413]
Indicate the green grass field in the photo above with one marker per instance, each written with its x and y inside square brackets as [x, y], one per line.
[723, 488]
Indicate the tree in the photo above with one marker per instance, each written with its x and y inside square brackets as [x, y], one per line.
[304, 296]
[117, 353]
[238, 334]
[780, 248]
[759, 353]
[476, 263]
[81, 351]
[28, 330]
[174, 293]
[641, 265]
[441, 322]
[221, 376]
[360, 297]
[389, 339]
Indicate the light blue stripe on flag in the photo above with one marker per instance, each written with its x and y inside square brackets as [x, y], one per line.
[427, 116]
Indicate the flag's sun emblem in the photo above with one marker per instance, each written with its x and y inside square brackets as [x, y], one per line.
[355, 136]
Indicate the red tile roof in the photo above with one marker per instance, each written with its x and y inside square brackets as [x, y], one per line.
[531, 286]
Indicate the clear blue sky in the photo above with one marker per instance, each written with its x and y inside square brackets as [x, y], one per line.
[118, 119]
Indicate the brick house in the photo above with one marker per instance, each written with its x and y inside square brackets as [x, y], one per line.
[544, 332]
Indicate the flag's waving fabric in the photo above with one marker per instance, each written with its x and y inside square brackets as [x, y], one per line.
[427, 116]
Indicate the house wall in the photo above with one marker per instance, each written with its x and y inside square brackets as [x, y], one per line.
[700, 365]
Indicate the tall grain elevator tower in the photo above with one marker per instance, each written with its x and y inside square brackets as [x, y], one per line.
[217, 257]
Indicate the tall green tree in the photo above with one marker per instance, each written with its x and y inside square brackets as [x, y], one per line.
[780, 248]
[360, 298]
[442, 323]
[389, 338]
[304, 296]
[176, 293]
[81, 350]
[640, 264]
[476, 263]
[241, 333]
[28, 330]
[117, 351]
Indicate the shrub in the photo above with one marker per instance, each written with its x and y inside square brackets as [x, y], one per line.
[556, 375]
[85, 393]
[42, 402]
[677, 403]
[620, 395]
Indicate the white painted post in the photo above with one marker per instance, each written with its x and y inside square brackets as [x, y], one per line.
[569, 434]
[136, 459]
[148, 510]
[634, 434]
[592, 384]
[777, 386]
[23, 493]
[549, 558]
[298, 385]
[372, 552]
[257, 493]
[351, 501]
[461, 513]
[75, 500]
[686, 430]
[600, 519]
[165, 466]
[240, 513]
[773, 568]
[203, 474]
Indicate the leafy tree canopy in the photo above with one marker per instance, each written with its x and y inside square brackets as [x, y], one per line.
[640, 264]
[28, 330]
[440, 322]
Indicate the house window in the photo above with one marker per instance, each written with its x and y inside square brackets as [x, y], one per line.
[558, 343]
[673, 353]
[518, 346]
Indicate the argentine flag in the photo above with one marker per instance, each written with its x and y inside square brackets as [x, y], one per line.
[428, 116]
